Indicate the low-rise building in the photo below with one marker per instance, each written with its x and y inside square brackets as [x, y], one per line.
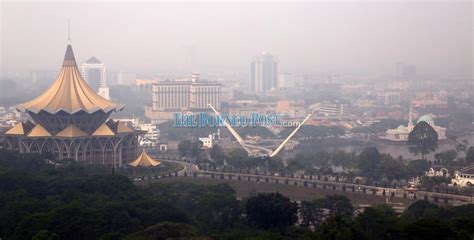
[437, 171]
[329, 108]
[9, 114]
[150, 139]
[431, 100]
[291, 109]
[389, 97]
[464, 177]
[207, 142]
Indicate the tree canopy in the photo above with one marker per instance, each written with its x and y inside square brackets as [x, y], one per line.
[44, 201]
[271, 210]
[423, 139]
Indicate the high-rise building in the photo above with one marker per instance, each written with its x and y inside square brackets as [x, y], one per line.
[264, 73]
[126, 78]
[95, 74]
[183, 95]
[286, 81]
[406, 72]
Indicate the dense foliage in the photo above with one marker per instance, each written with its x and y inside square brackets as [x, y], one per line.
[423, 139]
[70, 201]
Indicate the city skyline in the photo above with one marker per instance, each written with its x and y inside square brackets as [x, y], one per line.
[237, 120]
[369, 39]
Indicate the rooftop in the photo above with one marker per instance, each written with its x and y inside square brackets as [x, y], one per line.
[69, 93]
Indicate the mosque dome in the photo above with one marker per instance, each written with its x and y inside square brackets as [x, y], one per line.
[426, 118]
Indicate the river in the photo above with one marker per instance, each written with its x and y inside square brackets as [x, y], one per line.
[394, 149]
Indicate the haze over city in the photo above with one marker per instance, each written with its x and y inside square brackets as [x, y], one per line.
[349, 37]
[229, 120]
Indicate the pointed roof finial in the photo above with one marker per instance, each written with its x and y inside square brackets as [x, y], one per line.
[410, 117]
[69, 30]
[69, 93]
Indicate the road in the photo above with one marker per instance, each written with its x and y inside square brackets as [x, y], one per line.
[192, 170]
[188, 167]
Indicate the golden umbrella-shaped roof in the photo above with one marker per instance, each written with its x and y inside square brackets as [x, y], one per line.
[144, 161]
[69, 93]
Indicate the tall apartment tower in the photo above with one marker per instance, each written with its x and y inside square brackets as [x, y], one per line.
[264, 73]
[95, 74]
[406, 72]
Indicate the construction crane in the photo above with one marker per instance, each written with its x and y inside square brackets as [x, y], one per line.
[254, 150]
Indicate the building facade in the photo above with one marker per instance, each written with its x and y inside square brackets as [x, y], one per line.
[183, 95]
[406, 72]
[71, 121]
[264, 73]
[464, 177]
[151, 136]
[95, 74]
[402, 133]
[125, 78]
[329, 108]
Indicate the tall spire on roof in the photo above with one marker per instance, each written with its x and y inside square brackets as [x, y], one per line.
[69, 93]
[410, 118]
[69, 31]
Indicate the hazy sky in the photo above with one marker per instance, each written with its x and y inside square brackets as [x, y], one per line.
[351, 36]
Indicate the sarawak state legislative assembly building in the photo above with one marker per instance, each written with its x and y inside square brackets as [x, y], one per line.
[70, 120]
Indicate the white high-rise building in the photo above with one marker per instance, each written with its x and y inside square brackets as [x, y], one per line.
[264, 73]
[95, 74]
[126, 78]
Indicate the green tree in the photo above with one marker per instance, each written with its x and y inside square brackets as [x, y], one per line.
[423, 139]
[429, 182]
[45, 235]
[271, 210]
[184, 148]
[312, 212]
[378, 222]
[390, 169]
[165, 230]
[417, 167]
[217, 154]
[446, 157]
[238, 157]
[196, 150]
[428, 229]
[339, 205]
[420, 210]
[470, 155]
[461, 147]
[334, 228]
[369, 158]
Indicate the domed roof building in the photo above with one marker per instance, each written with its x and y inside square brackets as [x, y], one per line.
[426, 118]
[72, 121]
[401, 133]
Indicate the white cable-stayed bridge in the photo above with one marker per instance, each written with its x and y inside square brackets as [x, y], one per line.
[254, 150]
